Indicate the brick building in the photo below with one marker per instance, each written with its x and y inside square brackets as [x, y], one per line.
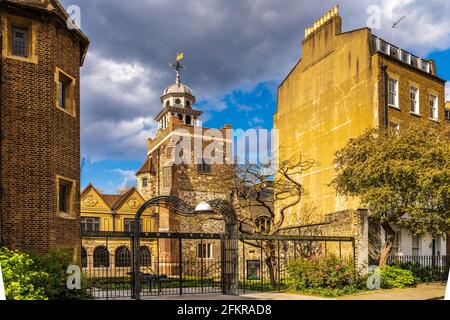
[40, 126]
[184, 160]
[334, 93]
[187, 161]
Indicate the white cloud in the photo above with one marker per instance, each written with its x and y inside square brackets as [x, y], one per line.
[255, 121]
[128, 83]
[426, 27]
[124, 139]
[228, 45]
[128, 178]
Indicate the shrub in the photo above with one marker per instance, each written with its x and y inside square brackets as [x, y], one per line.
[55, 264]
[330, 276]
[21, 278]
[394, 277]
[422, 273]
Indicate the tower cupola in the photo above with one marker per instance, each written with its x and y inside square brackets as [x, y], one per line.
[177, 101]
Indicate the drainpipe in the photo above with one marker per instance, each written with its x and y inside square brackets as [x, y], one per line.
[1, 142]
[383, 68]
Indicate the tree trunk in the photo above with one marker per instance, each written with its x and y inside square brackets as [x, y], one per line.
[270, 263]
[389, 244]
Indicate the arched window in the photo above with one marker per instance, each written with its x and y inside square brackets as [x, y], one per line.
[146, 257]
[101, 257]
[168, 103]
[188, 103]
[123, 257]
[188, 120]
[84, 258]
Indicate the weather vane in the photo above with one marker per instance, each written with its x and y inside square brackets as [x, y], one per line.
[178, 66]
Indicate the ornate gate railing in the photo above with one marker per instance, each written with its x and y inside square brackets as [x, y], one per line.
[197, 262]
[192, 265]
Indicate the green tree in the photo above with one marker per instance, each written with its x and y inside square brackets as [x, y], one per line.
[402, 177]
[22, 280]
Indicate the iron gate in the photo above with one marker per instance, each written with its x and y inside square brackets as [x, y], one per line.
[170, 264]
[186, 264]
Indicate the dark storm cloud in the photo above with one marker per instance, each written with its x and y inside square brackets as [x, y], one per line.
[228, 44]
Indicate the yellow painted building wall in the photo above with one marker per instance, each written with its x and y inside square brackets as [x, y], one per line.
[328, 98]
[92, 205]
[333, 94]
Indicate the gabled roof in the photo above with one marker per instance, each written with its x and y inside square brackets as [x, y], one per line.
[113, 201]
[125, 196]
[52, 7]
[102, 196]
[145, 168]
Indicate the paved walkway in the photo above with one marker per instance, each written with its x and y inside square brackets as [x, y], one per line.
[434, 291]
[247, 297]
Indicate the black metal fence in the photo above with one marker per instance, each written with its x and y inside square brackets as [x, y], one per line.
[264, 260]
[178, 264]
[426, 268]
[170, 264]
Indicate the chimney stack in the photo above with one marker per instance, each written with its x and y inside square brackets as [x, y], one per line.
[322, 20]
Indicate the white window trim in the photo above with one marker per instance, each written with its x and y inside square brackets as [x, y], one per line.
[398, 240]
[419, 248]
[417, 100]
[209, 250]
[436, 107]
[396, 105]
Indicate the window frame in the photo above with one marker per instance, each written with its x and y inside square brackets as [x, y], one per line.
[96, 257]
[447, 114]
[122, 257]
[25, 39]
[144, 262]
[130, 222]
[70, 214]
[70, 103]
[203, 167]
[414, 247]
[144, 182]
[435, 116]
[397, 243]
[397, 85]
[205, 251]
[11, 21]
[96, 223]
[416, 100]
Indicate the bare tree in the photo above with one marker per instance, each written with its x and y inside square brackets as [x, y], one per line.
[256, 190]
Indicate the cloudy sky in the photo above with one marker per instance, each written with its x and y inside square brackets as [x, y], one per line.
[236, 53]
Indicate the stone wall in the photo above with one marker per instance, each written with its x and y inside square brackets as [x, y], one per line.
[349, 223]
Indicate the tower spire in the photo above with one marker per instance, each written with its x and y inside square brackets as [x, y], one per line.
[178, 67]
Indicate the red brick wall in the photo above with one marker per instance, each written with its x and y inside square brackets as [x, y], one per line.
[39, 142]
